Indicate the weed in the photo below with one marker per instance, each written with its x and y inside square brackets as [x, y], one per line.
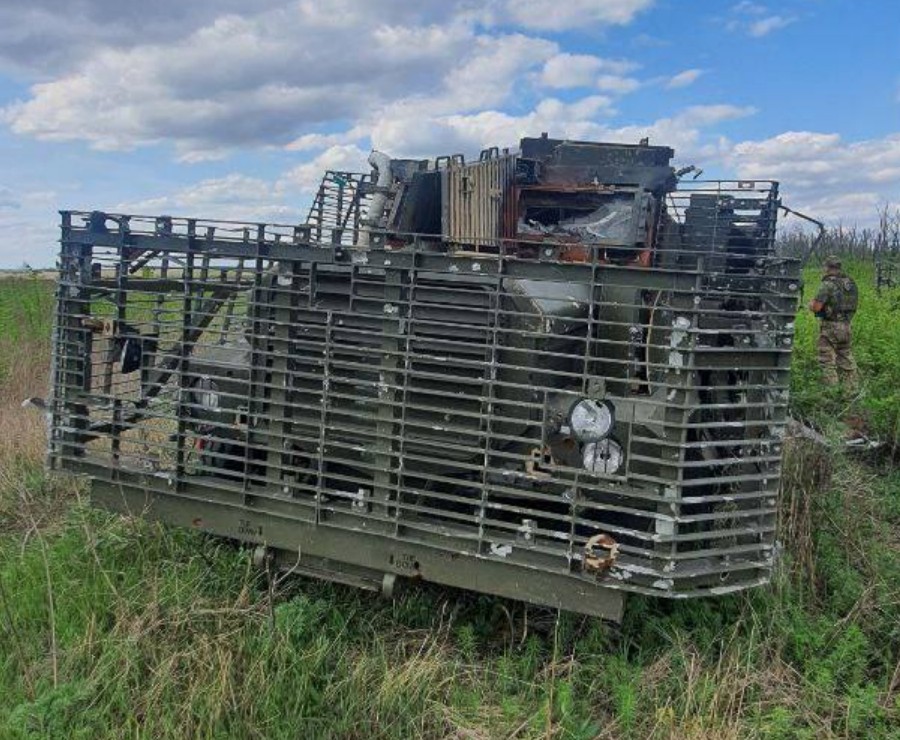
[112, 626]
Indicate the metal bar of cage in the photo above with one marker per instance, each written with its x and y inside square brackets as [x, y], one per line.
[417, 396]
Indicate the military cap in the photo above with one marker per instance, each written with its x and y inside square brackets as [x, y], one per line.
[833, 260]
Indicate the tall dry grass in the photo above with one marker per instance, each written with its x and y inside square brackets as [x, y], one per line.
[22, 430]
[113, 627]
[27, 498]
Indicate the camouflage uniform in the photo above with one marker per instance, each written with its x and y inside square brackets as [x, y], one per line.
[838, 297]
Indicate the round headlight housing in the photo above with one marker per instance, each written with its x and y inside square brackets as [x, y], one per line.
[591, 420]
[604, 457]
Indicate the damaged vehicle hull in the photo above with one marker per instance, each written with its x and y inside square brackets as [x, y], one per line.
[556, 375]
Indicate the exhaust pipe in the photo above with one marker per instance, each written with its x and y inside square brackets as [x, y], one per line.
[381, 163]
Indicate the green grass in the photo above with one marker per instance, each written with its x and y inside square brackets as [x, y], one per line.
[876, 335]
[26, 308]
[117, 627]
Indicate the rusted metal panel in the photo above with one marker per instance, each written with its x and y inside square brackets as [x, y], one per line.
[480, 196]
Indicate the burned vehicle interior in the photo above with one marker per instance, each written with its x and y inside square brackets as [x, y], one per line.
[557, 374]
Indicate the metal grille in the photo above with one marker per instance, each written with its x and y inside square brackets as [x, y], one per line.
[335, 213]
[422, 394]
[478, 204]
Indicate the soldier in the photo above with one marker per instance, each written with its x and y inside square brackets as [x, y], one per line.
[835, 304]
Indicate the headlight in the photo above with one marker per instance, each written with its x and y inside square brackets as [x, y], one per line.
[206, 394]
[602, 458]
[591, 420]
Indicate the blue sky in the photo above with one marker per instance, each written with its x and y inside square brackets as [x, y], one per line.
[231, 109]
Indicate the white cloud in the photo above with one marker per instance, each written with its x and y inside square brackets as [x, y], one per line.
[765, 26]
[470, 133]
[581, 70]
[46, 37]
[239, 197]
[684, 79]
[412, 133]
[233, 197]
[327, 79]
[617, 85]
[756, 20]
[305, 178]
[570, 70]
[746, 7]
[414, 130]
[491, 69]
[822, 174]
[285, 70]
[278, 78]
[209, 77]
[317, 142]
[553, 15]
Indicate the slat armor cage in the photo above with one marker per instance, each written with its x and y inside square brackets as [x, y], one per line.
[562, 415]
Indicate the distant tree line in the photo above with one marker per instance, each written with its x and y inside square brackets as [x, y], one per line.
[878, 243]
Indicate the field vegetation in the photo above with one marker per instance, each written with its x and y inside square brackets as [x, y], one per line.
[116, 627]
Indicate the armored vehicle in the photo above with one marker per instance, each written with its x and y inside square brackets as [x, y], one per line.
[558, 374]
